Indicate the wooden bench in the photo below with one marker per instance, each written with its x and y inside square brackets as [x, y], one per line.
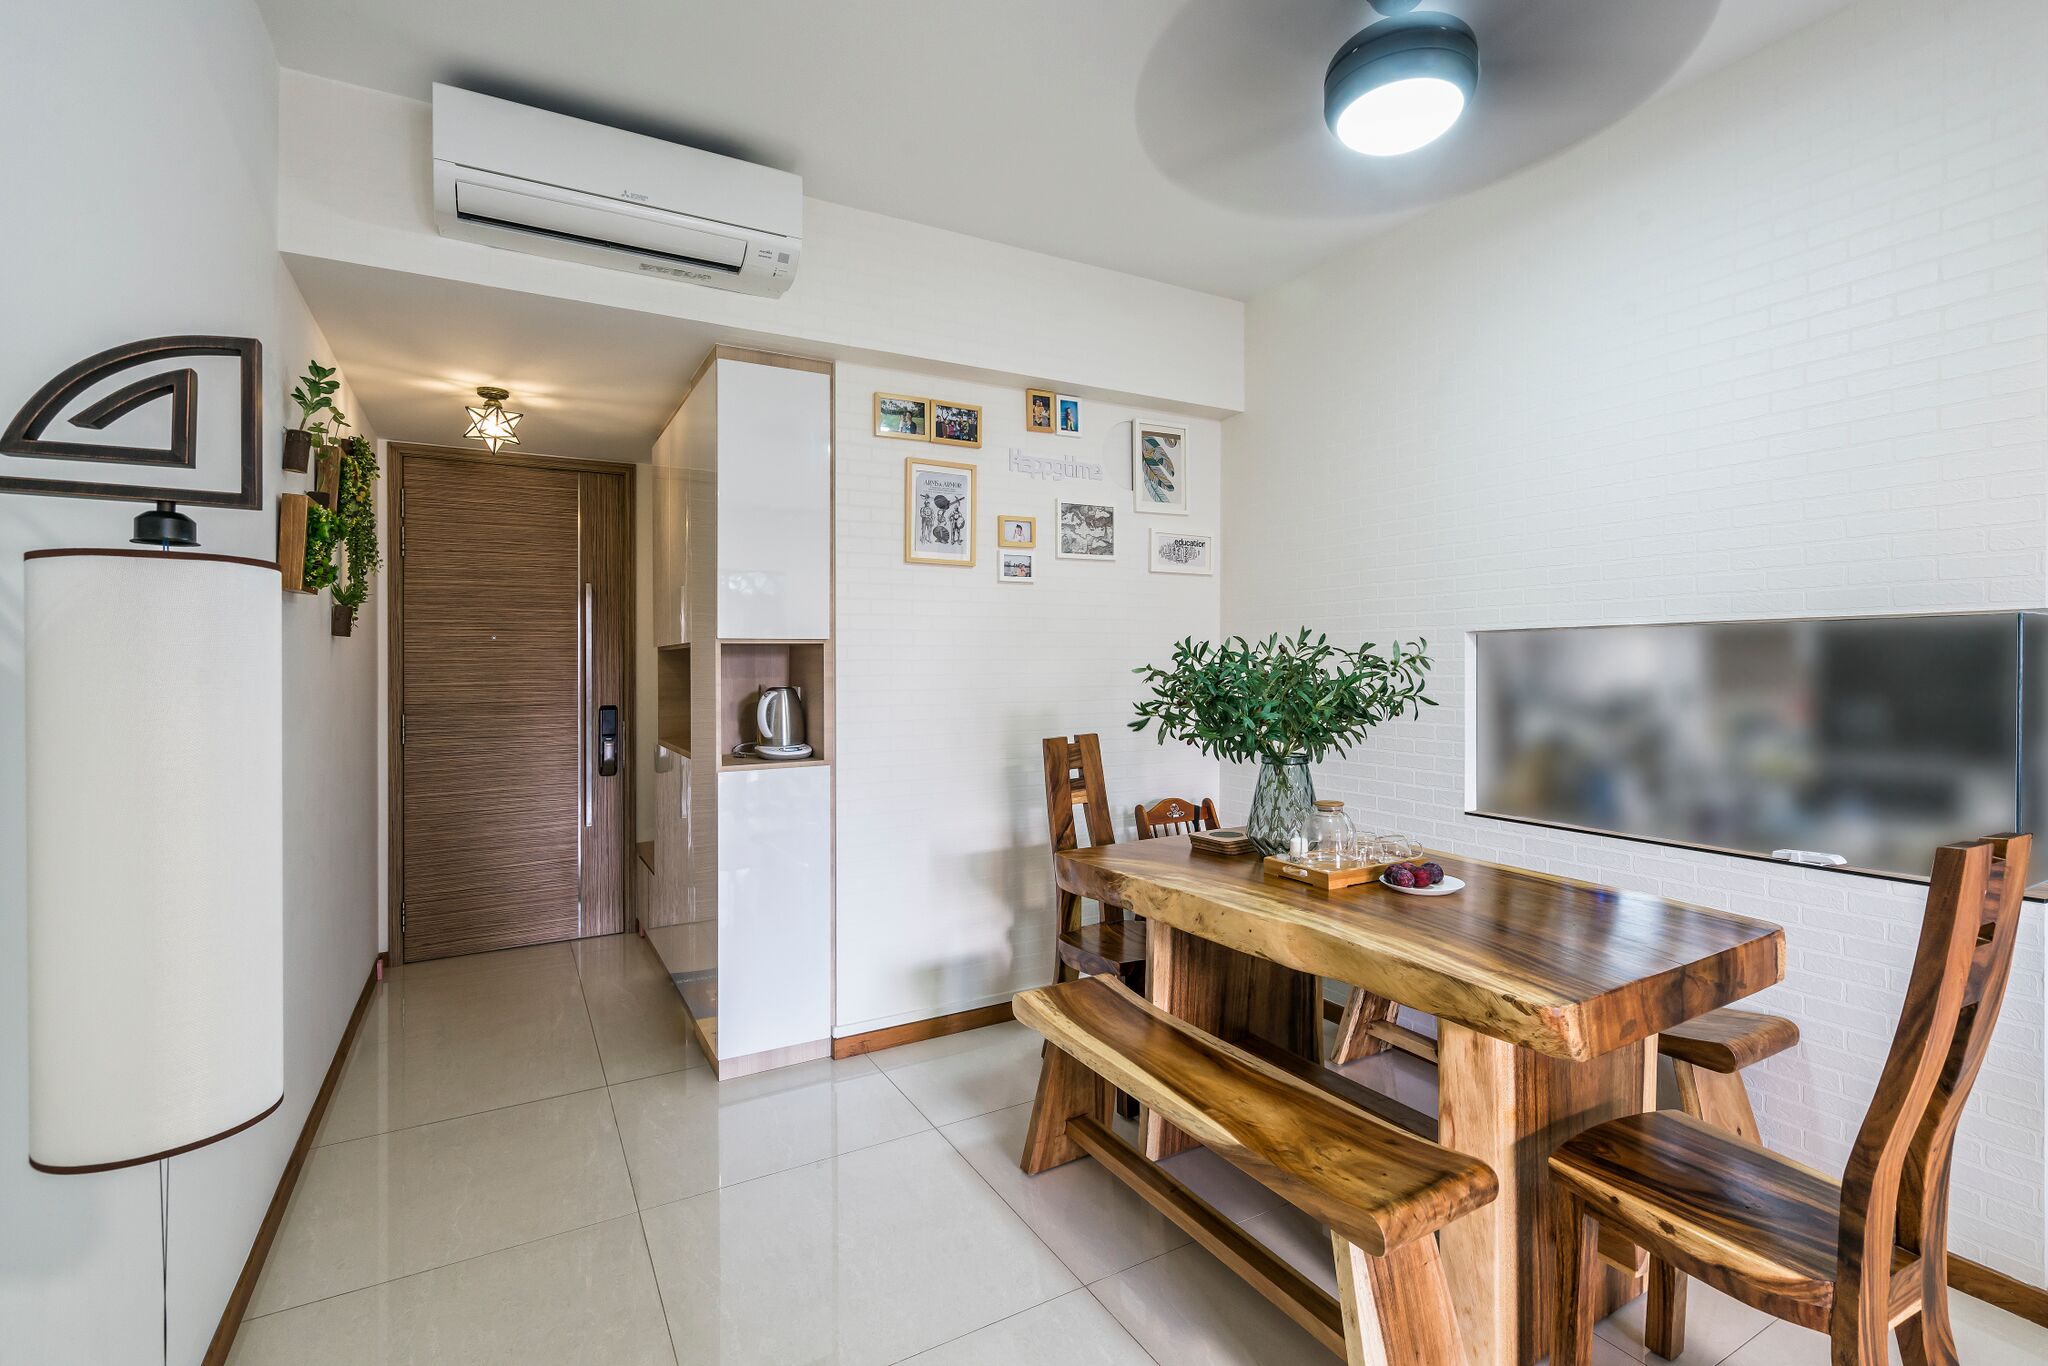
[1707, 1056]
[1382, 1192]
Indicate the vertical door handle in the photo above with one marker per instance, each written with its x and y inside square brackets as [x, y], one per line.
[583, 749]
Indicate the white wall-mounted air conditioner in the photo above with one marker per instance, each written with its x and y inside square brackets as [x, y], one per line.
[512, 176]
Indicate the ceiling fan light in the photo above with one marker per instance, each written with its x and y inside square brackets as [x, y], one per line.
[1401, 84]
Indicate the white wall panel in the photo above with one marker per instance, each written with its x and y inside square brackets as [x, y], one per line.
[774, 909]
[774, 503]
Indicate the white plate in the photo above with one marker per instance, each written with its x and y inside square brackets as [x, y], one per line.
[1445, 888]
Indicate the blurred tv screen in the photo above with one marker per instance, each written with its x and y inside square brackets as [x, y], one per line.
[1872, 738]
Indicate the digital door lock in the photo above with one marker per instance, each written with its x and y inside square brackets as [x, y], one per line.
[607, 741]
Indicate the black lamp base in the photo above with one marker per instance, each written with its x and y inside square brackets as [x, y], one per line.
[165, 526]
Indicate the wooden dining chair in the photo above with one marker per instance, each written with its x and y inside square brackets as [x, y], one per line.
[1116, 944]
[1175, 816]
[1849, 1259]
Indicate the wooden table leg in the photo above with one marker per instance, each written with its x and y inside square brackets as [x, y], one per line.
[1511, 1107]
[1228, 994]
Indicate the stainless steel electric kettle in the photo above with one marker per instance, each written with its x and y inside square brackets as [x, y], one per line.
[779, 720]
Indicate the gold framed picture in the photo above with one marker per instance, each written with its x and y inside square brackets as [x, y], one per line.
[1016, 533]
[1038, 405]
[903, 417]
[938, 512]
[956, 424]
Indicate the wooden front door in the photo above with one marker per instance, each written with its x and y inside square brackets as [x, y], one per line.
[513, 597]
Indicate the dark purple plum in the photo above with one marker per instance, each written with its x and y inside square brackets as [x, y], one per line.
[1435, 871]
[1401, 875]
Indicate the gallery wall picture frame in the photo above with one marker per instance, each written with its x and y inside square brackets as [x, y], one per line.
[1038, 411]
[903, 417]
[956, 424]
[1159, 468]
[1085, 530]
[938, 512]
[1016, 533]
[1016, 566]
[1067, 414]
[1183, 552]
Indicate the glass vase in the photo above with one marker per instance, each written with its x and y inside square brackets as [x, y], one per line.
[1281, 803]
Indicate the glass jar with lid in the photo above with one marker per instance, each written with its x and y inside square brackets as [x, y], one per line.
[1332, 842]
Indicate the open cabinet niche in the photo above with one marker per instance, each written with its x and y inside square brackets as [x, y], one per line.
[745, 667]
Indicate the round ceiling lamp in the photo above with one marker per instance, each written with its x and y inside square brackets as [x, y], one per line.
[491, 424]
[1401, 84]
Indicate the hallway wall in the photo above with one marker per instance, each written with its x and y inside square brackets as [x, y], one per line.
[145, 204]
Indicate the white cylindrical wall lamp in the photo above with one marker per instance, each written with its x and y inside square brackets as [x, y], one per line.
[155, 699]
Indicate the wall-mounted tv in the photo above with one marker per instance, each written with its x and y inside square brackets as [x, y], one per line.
[1868, 739]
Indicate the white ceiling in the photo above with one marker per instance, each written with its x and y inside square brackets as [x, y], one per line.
[594, 382]
[1176, 139]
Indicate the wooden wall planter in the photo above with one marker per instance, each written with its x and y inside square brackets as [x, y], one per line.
[343, 622]
[326, 489]
[291, 541]
[298, 449]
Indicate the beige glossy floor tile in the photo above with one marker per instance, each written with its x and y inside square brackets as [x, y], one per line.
[1092, 1221]
[641, 1028]
[979, 1071]
[1299, 1241]
[1188, 1309]
[860, 1260]
[586, 1297]
[1402, 1076]
[687, 1132]
[1984, 1337]
[457, 1040]
[373, 1209]
[1073, 1330]
[1715, 1326]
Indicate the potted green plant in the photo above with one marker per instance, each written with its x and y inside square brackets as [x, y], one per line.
[1284, 702]
[314, 394]
[356, 508]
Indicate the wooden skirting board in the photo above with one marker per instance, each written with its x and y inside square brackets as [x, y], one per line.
[266, 1232]
[1997, 1289]
[936, 1028]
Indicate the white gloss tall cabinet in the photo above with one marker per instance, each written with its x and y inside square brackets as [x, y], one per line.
[741, 905]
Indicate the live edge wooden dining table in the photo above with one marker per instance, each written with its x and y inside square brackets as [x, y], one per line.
[1549, 995]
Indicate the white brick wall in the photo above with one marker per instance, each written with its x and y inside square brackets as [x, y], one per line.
[949, 679]
[1774, 345]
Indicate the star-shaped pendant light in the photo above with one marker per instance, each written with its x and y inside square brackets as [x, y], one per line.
[491, 424]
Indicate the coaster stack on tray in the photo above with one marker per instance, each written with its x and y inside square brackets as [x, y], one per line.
[1232, 843]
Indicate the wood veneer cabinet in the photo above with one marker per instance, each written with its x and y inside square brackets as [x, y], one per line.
[741, 910]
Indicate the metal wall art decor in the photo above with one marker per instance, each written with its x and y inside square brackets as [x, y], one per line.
[28, 434]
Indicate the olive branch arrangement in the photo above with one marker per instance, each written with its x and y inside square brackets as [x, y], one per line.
[1281, 696]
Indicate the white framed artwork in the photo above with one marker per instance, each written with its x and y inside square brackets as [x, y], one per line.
[1016, 566]
[1183, 552]
[1085, 531]
[1067, 414]
[1159, 467]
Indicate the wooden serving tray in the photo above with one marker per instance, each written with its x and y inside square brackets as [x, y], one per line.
[1324, 879]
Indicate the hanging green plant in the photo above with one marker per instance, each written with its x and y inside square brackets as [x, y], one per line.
[323, 534]
[356, 510]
